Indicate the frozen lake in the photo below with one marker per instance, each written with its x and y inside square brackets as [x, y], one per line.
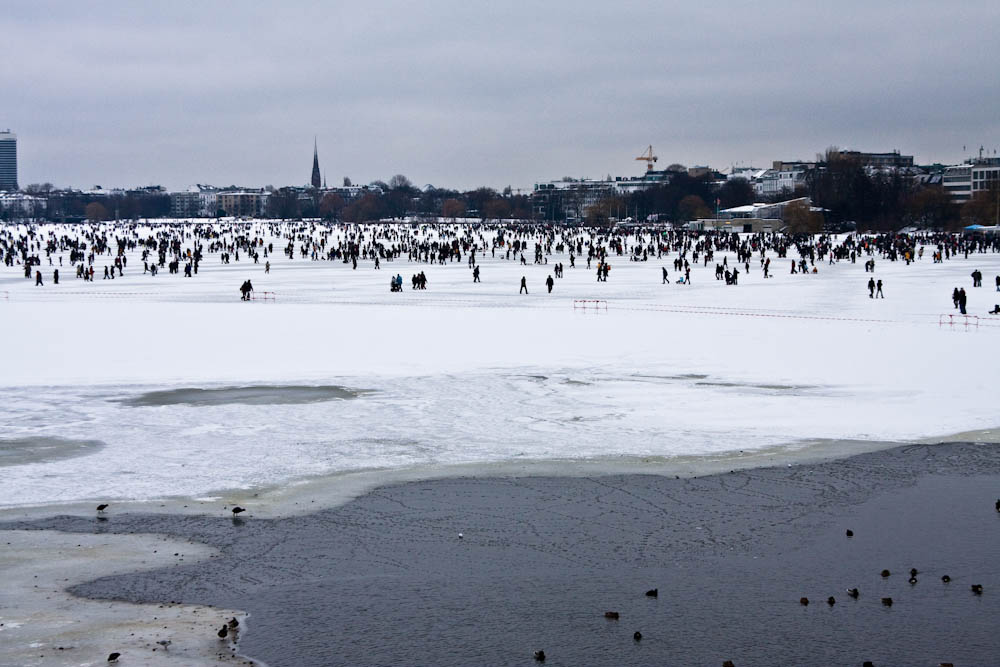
[186, 390]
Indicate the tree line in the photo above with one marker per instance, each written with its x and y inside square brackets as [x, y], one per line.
[840, 184]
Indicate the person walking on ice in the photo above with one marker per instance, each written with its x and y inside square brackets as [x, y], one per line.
[548, 283]
[666, 281]
[524, 285]
[245, 290]
[878, 289]
[871, 288]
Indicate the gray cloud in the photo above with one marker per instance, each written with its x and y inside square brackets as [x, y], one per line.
[474, 93]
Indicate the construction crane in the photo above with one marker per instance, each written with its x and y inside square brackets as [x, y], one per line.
[648, 158]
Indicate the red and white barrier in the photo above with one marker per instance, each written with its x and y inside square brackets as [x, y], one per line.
[952, 320]
[590, 303]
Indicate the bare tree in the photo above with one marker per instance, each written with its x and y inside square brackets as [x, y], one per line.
[331, 205]
[932, 207]
[692, 207]
[452, 208]
[399, 182]
[801, 219]
[96, 212]
[496, 209]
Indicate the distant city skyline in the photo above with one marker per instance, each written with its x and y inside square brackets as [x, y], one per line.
[318, 179]
[467, 95]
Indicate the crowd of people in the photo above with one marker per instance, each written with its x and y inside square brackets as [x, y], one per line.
[182, 248]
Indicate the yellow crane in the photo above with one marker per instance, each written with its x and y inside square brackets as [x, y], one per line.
[648, 158]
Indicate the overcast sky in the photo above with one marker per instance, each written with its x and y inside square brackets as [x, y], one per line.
[463, 94]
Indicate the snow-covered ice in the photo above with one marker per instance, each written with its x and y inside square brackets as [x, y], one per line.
[471, 373]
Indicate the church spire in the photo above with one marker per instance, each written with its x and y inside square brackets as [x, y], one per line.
[316, 180]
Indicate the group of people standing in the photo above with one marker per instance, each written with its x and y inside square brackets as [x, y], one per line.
[183, 246]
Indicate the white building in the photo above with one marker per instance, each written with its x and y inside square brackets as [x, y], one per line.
[208, 202]
[762, 211]
[962, 181]
[775, 181]
[749, 174]
[20, 206]
[755, 218]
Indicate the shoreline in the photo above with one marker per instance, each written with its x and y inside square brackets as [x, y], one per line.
[327, 491]
[366, 490]
[42, 623]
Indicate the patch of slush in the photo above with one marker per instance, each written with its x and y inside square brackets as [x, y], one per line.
[37, 449]
[251, 395]
[979, 435]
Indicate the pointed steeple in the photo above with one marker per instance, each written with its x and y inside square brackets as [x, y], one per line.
[316, 180]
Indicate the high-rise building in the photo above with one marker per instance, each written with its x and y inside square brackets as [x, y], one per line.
[317, 180]
[8, 161]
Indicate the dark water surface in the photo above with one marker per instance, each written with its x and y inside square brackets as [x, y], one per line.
[385, 579]
[250, 395]
[36, 449]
